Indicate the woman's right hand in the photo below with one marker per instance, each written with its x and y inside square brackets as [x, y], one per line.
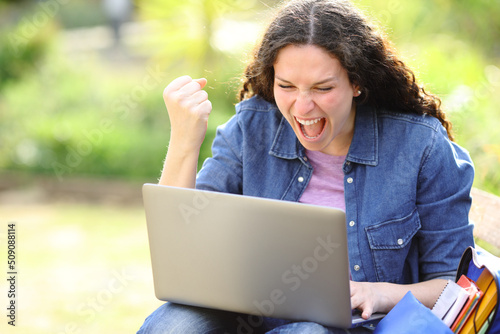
[188, 108]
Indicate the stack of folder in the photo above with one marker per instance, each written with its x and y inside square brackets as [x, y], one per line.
[467, 307]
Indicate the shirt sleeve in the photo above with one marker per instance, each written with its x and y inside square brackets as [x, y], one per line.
[223, 171]
[451, 275]
[443, 204]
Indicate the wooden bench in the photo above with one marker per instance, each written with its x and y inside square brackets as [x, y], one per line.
[485, 214]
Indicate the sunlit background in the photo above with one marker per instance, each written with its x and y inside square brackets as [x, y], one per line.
[83, 126]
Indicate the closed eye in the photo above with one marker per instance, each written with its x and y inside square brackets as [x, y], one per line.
[285, 86]
[324, 89]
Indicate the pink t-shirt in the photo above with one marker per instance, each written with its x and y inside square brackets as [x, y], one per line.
[326, 186]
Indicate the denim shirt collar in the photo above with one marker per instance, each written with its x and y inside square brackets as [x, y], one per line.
[363, 149]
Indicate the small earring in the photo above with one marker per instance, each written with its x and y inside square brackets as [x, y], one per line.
[359, 92]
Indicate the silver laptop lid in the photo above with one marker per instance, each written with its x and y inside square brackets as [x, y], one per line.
[250, 255]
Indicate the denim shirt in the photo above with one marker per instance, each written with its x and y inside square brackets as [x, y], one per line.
[406, 185]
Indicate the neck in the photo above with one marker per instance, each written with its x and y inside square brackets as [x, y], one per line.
[342, 142]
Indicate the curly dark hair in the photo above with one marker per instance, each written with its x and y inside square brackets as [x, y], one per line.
[367, 55]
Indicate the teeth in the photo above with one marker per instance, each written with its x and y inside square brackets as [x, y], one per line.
[309, 122]
[304, 133]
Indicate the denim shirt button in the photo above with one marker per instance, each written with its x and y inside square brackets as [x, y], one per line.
[305, 158]
[400, 242]
[349, 180]
[352, 223]
[357, 267]
[300, 179]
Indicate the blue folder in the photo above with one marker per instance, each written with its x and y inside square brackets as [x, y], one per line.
[409, 316]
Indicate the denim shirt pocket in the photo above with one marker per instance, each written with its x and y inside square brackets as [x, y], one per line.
[390, 242]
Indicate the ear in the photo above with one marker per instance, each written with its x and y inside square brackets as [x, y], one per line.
[356, 90]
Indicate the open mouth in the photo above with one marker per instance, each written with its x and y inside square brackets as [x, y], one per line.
[311, 128]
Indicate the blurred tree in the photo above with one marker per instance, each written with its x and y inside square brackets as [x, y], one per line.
[14, 2]
[184, 40]
[474, 21]
[22, 45]
[185, 29]
[51, 112]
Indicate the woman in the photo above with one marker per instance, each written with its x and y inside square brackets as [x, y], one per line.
[330, 115]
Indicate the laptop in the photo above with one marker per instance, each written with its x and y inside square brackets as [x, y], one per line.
[250, 255]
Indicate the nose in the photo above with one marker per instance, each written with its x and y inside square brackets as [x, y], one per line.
[304, 103]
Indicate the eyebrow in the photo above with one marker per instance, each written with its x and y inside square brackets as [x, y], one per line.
[316, 83]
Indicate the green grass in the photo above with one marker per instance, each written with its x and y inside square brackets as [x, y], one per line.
[81, 268]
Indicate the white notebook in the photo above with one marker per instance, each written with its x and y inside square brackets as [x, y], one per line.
[450, 302]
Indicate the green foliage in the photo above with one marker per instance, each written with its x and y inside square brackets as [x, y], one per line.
[454, 49]
[82, 118]
[82, 14]
[184, 31]
[54, 106]
[184, 40]
[77, 121]
[20, 51]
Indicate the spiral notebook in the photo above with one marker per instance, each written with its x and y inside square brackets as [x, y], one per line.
[450, 302]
